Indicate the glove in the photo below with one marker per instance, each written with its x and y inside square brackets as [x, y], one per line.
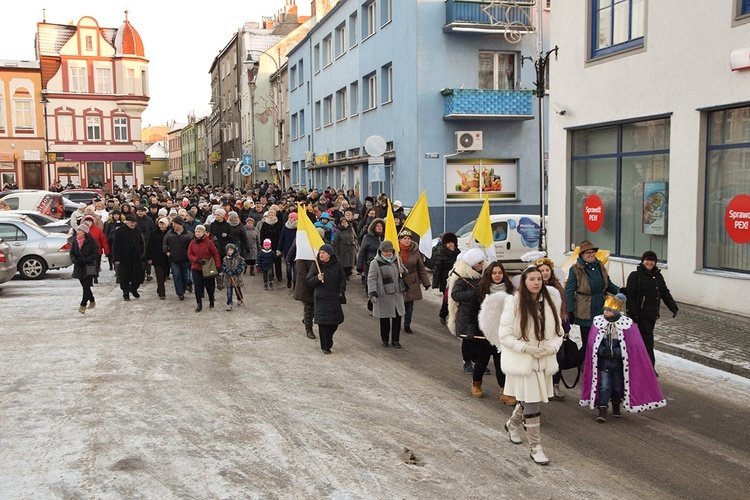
[548, 350]
[229, 273]
[572, 317]
[201, 261]
[470, 335]
[536, 352]
[427, 287]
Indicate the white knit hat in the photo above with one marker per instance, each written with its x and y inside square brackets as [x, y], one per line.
[473, 256]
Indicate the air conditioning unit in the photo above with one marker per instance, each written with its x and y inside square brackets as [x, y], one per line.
[309, 156]
[469, 140]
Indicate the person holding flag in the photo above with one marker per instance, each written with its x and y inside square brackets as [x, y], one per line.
[306, 244]
[410, 253]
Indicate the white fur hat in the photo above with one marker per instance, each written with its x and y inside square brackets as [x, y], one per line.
[473, 256]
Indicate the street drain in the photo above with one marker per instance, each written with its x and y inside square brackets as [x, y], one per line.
[261, 334]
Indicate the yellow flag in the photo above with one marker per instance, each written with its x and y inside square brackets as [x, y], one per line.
[418, 223]
[390, 228]
[483, 230]
[308, 239]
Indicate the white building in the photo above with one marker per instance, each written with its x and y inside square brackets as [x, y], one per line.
[650, 142]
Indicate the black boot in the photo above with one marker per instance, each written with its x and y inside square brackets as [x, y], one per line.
[199, 307]
[211, 302]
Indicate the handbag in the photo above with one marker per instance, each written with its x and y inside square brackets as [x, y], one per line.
[91, 270]
[568, 356]
[209, 269]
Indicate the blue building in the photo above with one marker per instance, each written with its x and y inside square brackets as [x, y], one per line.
[405, 96]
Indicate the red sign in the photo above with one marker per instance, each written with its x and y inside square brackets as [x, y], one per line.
[737, 219]
[593, 213]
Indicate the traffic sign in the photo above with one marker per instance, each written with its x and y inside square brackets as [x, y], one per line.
[247, 159]
[377, 174]
[246, 170]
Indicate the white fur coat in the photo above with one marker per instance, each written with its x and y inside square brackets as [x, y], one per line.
[490, 313]
[460, 268]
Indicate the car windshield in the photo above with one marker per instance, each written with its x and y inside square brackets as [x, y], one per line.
[466, 229]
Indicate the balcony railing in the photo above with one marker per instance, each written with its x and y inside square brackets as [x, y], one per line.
[514, 17]
[508, 105]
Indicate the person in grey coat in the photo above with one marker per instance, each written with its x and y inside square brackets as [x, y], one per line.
[253, 237]
[345, 246]
[386, 295]
[328, 280]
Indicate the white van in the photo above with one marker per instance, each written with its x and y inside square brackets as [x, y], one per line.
[514, 235]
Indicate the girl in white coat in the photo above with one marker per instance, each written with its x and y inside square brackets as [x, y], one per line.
[530, 335]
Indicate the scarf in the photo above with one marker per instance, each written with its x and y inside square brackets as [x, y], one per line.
[291, 224]
[80, 240]
[497, 287]
[404, 252]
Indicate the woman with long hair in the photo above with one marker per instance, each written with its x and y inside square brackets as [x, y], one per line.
[530, 335]
[493, 288]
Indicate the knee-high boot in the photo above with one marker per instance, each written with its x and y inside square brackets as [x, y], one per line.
[534, 433]
[513, 426]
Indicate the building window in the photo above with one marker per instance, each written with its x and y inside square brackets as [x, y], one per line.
[144, 83]
[727, 183]
[327, 51]
[616, 25]
[354, 98]
[328, 110]
[22, 113]
[89, 43]
[316, 58]
[341, 104]
[368, 20]
[65, 128]
[293, 78]
[386, 11]
[121, 129]
[103, 81]
[620, 181]
[301, 72]
[745, 7]
[294, 126]
[78, 79]
[497, 70]
[93, 128]
[318, 115]
[353, 30]
[386, 77]
[302, 123]
[370, 92]
[341, 40]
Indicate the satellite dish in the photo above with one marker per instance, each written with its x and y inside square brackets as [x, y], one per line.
[375, 145]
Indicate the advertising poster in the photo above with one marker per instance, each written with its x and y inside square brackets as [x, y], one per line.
[654, 208]
[475, 179]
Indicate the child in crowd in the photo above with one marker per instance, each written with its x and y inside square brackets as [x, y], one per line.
[233, 266]
[266, 261]
[618, 368]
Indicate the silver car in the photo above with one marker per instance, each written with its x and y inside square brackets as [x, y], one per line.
[34, 249]
[7, 263]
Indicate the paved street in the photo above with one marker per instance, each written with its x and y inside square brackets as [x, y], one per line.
[148, 399]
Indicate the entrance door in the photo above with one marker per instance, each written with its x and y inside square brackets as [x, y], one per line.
[32, 176]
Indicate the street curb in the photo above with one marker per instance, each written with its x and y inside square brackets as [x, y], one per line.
[702, 359]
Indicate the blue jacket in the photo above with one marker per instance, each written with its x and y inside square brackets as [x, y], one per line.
[266, 259]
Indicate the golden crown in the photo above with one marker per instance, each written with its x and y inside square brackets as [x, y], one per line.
[614, 303]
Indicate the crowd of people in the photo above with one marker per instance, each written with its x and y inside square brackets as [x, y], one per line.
[205, 239]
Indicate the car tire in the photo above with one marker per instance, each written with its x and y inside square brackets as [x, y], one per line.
[32, 268]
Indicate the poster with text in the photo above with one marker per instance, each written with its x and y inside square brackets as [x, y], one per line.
[474, 179]
[654, 208]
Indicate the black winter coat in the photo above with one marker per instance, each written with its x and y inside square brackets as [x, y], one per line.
[443, 263]
[154, 250]
[272, 232]
[467, 317]
[81, 257]
[327, 304]
[370, 244]
[221, 231]
[645, 290]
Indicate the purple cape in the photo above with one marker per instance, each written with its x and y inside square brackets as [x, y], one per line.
[642, 390]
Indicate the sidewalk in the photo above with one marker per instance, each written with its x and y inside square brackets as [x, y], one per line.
[711, 338]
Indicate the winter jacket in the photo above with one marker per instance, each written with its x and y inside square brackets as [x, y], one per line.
[490, 314]
[100, 238]
[271, 232]
[444, 260]
[370, 244]
[362, 228]
[202, 249]
[253, 238]
[383, 283]
[302, 290]
[145, 224]
[176, 245]
[221, 231]
[417, 273]
[87, 254]
[327, 305]
[328, 230]
[154, 248]
[266, 259]
[287, 237]
[463, 304]
[645, 290]
[127, 245]
[234, 266]
[238, 236]
[345, 246]
[585, 289]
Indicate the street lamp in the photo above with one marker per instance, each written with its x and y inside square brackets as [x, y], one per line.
[277, 115]
[45, 101]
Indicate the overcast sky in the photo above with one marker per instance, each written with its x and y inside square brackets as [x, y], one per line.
[181, 40]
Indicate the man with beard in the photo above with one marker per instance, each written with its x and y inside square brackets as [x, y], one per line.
[271, 229]
[220, 229]
[127, 251]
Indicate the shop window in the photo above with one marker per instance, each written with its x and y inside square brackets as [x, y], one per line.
[727, 208]
[620, 181]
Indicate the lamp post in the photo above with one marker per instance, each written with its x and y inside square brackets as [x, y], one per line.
[222, 127]
[277, 114]
[541, 63]
[45, 101]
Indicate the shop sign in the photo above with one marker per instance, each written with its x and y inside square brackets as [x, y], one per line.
[593, 213]
[737, 219]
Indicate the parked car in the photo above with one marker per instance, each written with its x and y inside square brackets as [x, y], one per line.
[34, 249]
[83, 195]
[7, 263]
[514, 235]
[71, 206]
[44, 202]
[48, 223]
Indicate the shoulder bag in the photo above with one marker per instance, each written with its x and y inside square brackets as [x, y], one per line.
[209, 268]
[568, 357]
